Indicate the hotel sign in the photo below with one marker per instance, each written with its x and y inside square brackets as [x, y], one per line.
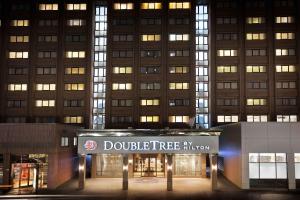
[151, 144]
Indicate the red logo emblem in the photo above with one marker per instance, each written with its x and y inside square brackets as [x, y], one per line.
[90, 145]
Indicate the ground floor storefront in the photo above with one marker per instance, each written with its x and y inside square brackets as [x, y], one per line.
[131, 154]
[35, 156]
[261, 155]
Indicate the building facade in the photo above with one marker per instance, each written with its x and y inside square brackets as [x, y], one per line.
[153, 65]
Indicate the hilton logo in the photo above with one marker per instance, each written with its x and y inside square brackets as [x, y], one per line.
[90, 145]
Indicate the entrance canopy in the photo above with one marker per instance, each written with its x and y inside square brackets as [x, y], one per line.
[144, 141]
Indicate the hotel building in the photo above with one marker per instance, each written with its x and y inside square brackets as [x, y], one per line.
[151, 73]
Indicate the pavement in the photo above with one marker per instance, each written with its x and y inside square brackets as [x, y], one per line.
[155, 188]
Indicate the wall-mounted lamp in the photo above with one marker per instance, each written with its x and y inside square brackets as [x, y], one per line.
[81, 168]
[214, 167]
[169, 167]
[125, 167]
[130, 161]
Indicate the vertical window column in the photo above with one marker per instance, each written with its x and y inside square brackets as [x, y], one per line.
[99, 68]
[202, 63]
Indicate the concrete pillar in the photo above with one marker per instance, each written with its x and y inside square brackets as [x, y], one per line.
[291, 171]
[6, 168]
[169, 172]
[130, 166]
[213, 171]
[125, 172]
[82, 171]
[203, 165]
[94, 166]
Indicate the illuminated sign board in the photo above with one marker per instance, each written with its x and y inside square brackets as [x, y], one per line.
[142, 144]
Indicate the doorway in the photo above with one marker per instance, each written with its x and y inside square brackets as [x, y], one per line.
[23, 175]
[149, 165]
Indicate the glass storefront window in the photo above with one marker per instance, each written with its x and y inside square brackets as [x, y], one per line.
[1, 169]
[267, 166]
[297, 165]
[187, 165]
[109, 165]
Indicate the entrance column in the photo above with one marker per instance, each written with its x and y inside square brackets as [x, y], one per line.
[203, 165]
[213, 171]
[6, 168]
[291, 171]
[169, 172]
[125, 172]
[82, 171]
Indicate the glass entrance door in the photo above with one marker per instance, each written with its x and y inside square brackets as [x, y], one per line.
[23, 175]
[148, 165]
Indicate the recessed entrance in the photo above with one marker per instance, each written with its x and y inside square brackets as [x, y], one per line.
[149, 165]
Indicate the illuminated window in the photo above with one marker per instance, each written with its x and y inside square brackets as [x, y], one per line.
[297, 165]
[45, 87]
[284, 36]
[287, 118]
[122, 70]
[229, 52]
[226, 69]
[19, 38]
[285, 68]
[256, 36]
[179, 86]
[122, 86]
[227, 118]
[76, 6]
[178, 70]
[48, 6]
[76, 22]
[73, 119]
[17, 87]
[123, 6]
[149, 102]
[255, 20]
[257, 118]
[179, 119]
[64, 141]
[256, 69]
[256, 102]
[150, 86]
[75, 54]
[267, 166]
[149, 118]
[74, 86]
[74, 70]
[45, 103]
[151, 6]
[19, 23]
[285, 52]
[150, 38]
[179, 37]
[284, 20]
[18, 55]
[179, 5]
